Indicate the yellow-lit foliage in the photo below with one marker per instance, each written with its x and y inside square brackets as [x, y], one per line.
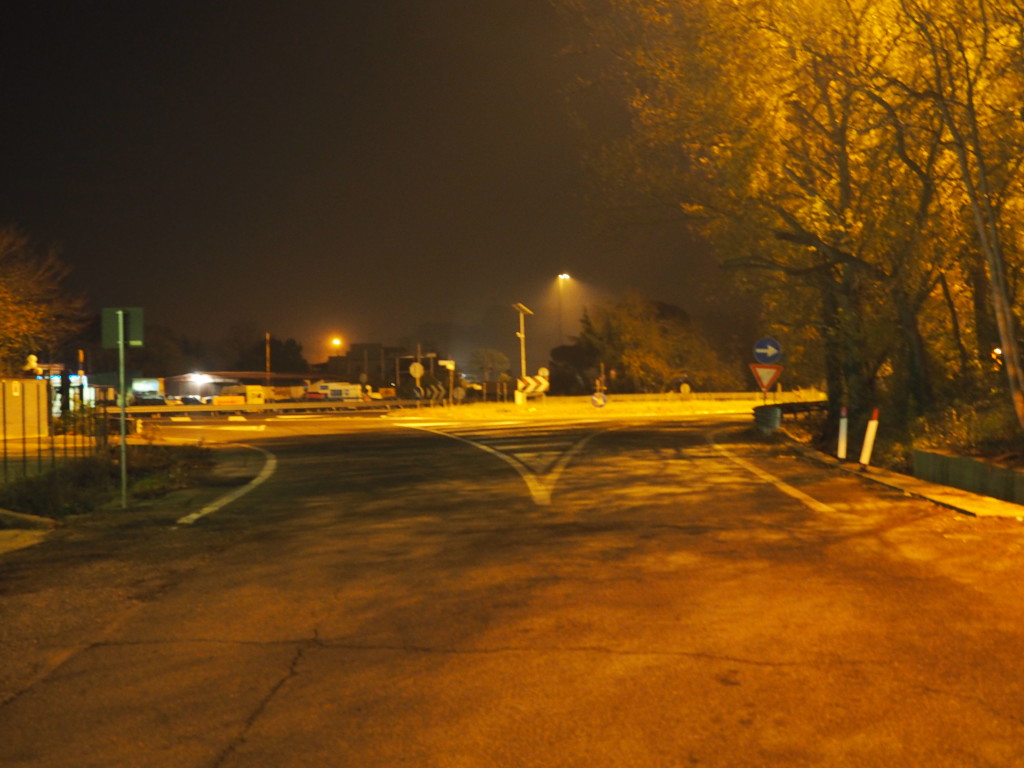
[35, 314]
[868, 150]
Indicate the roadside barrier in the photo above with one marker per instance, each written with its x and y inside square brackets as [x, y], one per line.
[768, 418]
[37, 432]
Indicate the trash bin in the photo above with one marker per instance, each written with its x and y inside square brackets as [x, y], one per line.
[767, 418]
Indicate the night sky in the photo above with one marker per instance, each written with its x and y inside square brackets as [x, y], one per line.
[316, 167]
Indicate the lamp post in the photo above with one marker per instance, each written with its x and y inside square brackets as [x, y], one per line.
[523, 311]
[335, 345]
[561, 289]
[267, 350]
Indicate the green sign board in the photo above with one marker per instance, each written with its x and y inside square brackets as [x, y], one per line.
[132, 326]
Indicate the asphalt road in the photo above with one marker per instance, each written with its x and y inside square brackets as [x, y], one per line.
[620, 593]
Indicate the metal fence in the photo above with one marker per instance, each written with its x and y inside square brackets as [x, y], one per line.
[41, 426]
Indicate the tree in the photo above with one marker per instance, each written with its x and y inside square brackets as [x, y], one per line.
[972, 77]
[640, 345]
[857, 155]
[166, 353]
[285, 357]
[36, 312]
[490, 362]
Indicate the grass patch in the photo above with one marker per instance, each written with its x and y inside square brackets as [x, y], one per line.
[79, 486]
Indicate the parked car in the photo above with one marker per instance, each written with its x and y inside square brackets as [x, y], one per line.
[147, 398]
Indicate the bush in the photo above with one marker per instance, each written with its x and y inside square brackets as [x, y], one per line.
[981, 428]
[83, 485]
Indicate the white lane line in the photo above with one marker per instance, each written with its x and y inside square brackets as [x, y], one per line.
[269, 466]
[786, 488]
[225, 428]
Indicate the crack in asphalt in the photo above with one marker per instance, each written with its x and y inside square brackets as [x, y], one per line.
[254, 716]
[304, 645]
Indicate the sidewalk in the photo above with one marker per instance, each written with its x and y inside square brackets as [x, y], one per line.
[964, 502]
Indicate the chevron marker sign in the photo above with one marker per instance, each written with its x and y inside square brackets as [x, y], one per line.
[533, 385]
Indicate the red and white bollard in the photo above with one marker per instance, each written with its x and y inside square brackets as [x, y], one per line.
[869, 440]
[843, 426]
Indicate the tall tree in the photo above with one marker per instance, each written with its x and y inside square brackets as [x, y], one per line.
[971, 73]
[36, 311]
[645, 346]
[833, 146]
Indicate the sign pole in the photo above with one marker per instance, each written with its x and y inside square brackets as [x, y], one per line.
[121, 327]
[124, 402]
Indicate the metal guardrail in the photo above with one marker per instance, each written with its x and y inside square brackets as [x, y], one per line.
[768, 418]
[796, 401]
[112, 411]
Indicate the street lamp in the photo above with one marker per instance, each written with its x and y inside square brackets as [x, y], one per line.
[335, 345]
[561, 282]
[523, 311]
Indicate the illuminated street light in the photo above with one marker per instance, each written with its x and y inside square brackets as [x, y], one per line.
[336, 344]
[523, 311]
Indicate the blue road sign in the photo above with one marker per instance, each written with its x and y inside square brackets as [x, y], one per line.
[767, 351]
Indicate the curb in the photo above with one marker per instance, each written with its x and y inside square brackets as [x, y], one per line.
[964, 502]
[17, 520]
[18, 531]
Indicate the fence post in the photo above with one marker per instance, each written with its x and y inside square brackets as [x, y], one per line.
[24, 436]
[3, 411]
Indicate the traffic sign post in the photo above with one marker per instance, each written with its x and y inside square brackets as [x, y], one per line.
[122, 327]
[766, 375]
[416, 371]
[450, 365]
[532, 385]
[768, 351]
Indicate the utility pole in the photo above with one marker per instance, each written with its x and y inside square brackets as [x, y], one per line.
[523, 311]
[268, 358]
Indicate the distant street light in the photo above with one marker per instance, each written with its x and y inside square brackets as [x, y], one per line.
[561, 282]
[523, 311]
[335, 345]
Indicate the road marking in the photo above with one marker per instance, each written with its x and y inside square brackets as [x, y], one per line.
[269, 466]
[539, 482]
[782, 485]
[222, 428]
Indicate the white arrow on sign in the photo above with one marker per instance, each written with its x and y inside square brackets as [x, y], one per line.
[767, 351]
